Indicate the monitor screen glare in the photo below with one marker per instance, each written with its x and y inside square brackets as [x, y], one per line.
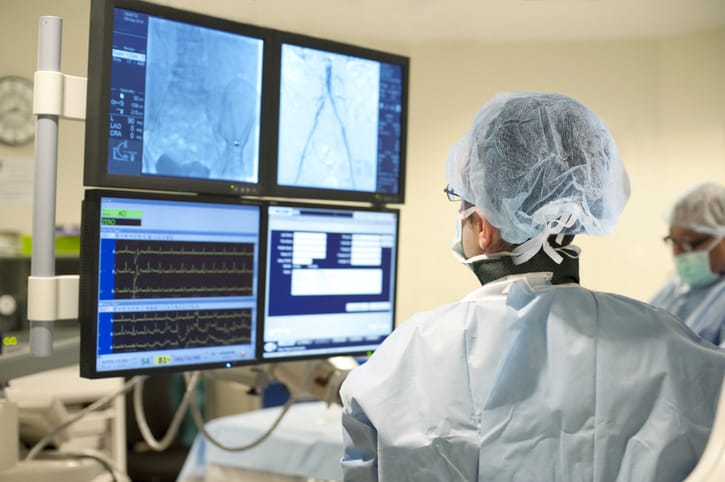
[185, 100]
[330, 280]
[176, 284]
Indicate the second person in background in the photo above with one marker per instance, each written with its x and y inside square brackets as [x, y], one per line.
[697, 236]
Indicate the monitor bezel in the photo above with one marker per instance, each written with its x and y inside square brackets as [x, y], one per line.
[264, 269]
[299, 192]
[88, 280]
[95, 172]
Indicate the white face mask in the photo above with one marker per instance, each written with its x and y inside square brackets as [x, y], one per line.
[457, 246]
[693, 268]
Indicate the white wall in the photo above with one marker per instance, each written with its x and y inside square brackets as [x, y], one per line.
[662, 98]
[18, 56]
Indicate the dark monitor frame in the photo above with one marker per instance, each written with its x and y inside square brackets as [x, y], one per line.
[287, 191]
[268, 295]
[89, 282]
[98, 104]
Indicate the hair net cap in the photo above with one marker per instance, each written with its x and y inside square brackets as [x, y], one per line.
[702, 209]
[537, 164]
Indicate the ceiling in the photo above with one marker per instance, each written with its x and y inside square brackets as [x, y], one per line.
[415, 22]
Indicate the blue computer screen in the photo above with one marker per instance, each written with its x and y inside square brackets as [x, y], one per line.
[185, 101]
[330, 280]
[175, 283]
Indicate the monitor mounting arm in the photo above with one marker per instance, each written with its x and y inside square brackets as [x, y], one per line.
[55, 96]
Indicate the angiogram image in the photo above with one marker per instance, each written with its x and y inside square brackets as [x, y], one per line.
[202, 108]
[328, 120]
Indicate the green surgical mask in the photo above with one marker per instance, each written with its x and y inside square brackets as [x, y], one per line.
[693, 268]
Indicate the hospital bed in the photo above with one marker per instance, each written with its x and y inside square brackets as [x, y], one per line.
[306, 446]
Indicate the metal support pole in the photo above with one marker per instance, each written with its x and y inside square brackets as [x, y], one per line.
[42, 262]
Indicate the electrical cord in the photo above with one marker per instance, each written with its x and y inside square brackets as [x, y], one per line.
[196, 415]
[176, 421]
[201, 427]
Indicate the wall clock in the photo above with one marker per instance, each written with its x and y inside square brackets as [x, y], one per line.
[17, 122]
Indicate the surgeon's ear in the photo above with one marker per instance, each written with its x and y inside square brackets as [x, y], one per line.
[488, 234]
[483, 228]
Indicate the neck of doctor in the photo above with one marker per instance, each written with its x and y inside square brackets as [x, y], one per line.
[489, 241]
[488, 270]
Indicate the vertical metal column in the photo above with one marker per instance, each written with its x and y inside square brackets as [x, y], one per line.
[42, 262]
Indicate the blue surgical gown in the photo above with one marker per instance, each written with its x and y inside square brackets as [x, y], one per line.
[702, 309]
[525, 381]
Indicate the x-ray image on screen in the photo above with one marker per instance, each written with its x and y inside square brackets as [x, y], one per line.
[203, 101]
[328, 130]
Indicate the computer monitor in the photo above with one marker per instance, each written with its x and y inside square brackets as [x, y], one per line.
[168, 282]
[330, 280]
[342, 121]
[175, 101]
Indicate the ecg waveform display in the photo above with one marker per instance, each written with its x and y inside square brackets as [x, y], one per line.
[166, 330]
[175, 269]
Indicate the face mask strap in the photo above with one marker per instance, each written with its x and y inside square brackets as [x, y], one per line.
[528, 249]
[457, 245]
[713, 243]
[467, 212]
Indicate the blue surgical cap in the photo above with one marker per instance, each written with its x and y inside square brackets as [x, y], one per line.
[702, 209]
[537, 164]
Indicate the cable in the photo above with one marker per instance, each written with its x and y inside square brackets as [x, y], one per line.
[200, 426]
[78, 415]
[176, 422]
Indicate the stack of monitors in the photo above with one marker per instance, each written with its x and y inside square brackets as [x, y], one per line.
[203, 139]
[184, 102]
[173, 282]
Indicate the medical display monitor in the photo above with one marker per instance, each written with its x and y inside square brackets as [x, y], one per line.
[168, 283]
[175, 100]
[330, 281]
[342, 122]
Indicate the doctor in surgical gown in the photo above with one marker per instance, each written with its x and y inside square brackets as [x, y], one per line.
[532, 377]
[697, 236]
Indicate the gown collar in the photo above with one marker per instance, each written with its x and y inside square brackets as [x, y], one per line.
[492, 269]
